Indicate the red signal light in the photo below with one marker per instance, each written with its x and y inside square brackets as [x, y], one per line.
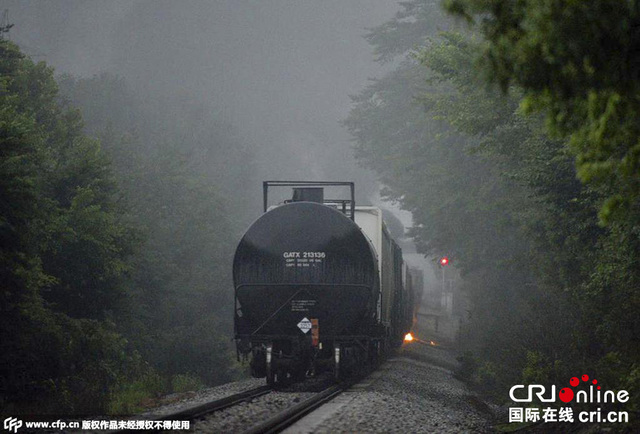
[444, 261]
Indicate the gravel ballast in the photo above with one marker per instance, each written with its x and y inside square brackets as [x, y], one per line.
[178, 402]
[413, 391]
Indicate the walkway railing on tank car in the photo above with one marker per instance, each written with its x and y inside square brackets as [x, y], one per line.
[347, 206]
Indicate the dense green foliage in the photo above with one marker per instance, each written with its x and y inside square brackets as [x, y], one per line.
[65, 250]
[115, 245]
[174, 181]
[578, 62]
[551, 291]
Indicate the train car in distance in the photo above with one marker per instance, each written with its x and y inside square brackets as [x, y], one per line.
[319, 285]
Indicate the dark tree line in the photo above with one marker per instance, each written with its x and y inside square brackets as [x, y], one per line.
[66, 248]
[117, 230]
[540, 215]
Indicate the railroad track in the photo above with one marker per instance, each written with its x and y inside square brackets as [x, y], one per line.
[292, 414]
[217, 405]
[273, 424]
[213, 406]
[276, 423]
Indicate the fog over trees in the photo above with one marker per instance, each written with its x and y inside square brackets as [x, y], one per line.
[280, 72]
[134, 137]
[541, 218]
[174, 113]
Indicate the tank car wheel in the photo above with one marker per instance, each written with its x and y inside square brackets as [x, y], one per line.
[258, 363]
[299, 374]
[336, 369]
[271, 377]
[270, 374]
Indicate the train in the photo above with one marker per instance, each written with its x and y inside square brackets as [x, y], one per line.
[320, 285]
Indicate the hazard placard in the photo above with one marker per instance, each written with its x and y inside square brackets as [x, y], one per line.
[305, 325]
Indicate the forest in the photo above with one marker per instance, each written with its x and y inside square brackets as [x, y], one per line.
[508, 129]
[116, 244]
[512, 138]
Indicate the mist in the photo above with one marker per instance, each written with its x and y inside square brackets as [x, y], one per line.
[280, 72]
[136, 135]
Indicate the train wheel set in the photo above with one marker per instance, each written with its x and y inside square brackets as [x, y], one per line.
[343, 360]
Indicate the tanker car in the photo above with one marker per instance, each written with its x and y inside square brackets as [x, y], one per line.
[320, 285]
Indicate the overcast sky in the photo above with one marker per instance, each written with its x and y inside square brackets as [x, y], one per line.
[277, 67]
[281, 71]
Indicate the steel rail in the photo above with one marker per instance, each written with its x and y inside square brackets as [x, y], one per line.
[292, 414]
[217, 405]
[211, 407]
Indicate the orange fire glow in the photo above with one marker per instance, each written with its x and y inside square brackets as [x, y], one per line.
[408, 337]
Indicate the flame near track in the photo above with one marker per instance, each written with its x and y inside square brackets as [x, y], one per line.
[409, 337]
